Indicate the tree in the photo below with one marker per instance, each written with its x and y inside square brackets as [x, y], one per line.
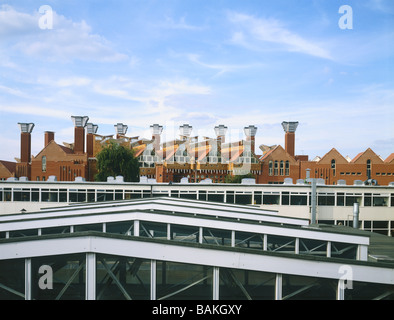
[116, 160]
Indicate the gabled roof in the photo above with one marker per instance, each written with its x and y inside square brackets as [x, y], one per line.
[53, 144]
[277, 153]
[390, 158]
[367, 154]
[333, 154]
[10, 166]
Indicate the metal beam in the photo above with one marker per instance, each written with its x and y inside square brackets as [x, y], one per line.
[70, 280]
[115, 279]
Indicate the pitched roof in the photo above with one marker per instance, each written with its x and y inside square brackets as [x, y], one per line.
[390, 158]
[372, 154]
[333, 153]
[10, 166]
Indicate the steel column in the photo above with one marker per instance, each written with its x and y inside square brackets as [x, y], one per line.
[278, 286]
[28, 279]
[153, 279]
[90, 293]
[215, 283]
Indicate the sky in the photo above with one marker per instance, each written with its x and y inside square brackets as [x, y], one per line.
[204, 63]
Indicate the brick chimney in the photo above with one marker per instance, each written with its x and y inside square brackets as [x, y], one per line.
[79, 133]
[250, 133]
[26, 130]
[91, 130]
[290, 129]
[121, 130]
[156, 132]
[24, 166]
[49, 136]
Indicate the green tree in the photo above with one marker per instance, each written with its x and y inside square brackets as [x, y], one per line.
[116, 160]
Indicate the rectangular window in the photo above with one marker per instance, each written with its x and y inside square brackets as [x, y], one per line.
[44, 164]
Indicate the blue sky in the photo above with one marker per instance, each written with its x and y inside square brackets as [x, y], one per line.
[205, 63]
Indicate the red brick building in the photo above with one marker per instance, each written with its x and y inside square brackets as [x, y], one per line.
[193, 158]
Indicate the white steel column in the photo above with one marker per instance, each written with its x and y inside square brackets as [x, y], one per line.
[297, 246]
[168, 231]
[153, 279]
[265, 245]
[90, 293]
[215, 283]
[328, 249]
[28, 279]
[136, 228]
[278, 286]
[232, 238]
[200, 235]
[341, 289]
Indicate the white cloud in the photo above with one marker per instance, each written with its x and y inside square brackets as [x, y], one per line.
[34, 110]
[256, 31]
[181, 24]
[68, 40]
[221, 68]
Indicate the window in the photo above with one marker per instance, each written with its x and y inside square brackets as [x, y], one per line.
[44, 164]
[276, 168]
[282, 165]
[287, 168]
[333, 167]
[369, 169]
[270, 168]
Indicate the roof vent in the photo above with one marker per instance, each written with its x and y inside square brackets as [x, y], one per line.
[288, 181]
[341, 182]
[358, 183]
[79, 179]
[184, 180]
[300, 181]
[119, 179]
[52, 178]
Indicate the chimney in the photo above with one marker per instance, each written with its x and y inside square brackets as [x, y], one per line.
[220, 132]
[26, 130]
[79, 133]
[121, 130]
[250, 133]
[91, 130]
[156, 132]
[49, 136]
[290, 128]
[185, 131]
